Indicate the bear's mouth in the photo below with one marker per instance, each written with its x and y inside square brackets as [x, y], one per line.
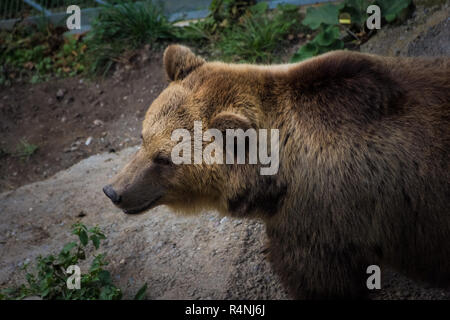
[143, 208]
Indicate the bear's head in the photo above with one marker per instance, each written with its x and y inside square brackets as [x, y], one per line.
[199, 93]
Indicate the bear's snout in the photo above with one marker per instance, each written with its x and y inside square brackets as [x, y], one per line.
[112, 194]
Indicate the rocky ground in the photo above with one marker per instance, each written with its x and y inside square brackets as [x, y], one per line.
[204, 257]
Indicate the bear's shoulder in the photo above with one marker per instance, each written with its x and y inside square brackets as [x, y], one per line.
[356, 86]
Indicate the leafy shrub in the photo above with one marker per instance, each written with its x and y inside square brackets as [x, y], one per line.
[48, 279]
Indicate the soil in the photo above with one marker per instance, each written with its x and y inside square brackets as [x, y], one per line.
[60, 116]
[203, 257]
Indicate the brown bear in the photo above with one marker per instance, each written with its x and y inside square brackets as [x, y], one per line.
[363, 175]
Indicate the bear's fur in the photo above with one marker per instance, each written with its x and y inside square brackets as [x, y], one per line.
[364, 173]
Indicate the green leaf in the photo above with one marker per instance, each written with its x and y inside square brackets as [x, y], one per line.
[140, 295]
[391, 9]
[306, 51]
[105, 277]
[110, 293]
[390, 17]
[83, 237]
[106, 293]
[97, 263]
[259, 8]
[66, 249]
[326, 14]
[327, 36]
[95, 241]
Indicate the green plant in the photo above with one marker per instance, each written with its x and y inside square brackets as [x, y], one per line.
[197, 32]
[25, 150]
[258, 35]
[328, 39]
[122, 27]
[326, 14]
[224, 13]
[70, 59]
[48, 280]
[391, 10]
[325, 19]
[38, 52]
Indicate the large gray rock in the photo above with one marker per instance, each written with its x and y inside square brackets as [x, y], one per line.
[179, 257]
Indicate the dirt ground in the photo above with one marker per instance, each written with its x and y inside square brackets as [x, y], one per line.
[60, 116]
[206, 257]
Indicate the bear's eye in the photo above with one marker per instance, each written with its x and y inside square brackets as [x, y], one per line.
[162, 160]
[142, 138]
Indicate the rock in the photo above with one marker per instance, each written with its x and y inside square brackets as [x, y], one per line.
[88, 141]
[32, 298]
[69, 100]
[60, 94]
[224, 219]
[71, 149]
[98, 122]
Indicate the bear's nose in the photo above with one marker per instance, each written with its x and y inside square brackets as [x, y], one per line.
[110, 193]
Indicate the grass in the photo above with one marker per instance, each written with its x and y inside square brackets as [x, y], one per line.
[255, 40]
[25, 150]
[126, 26]
[254, 37]
[252, 41]
[258, 35]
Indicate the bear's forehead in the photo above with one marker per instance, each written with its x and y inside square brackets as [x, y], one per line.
[198, 95]
[171, 99]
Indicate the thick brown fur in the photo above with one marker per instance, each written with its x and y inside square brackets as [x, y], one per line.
[364, 162]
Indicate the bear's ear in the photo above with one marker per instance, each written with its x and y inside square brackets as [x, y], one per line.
[230, 120]
[179, 61]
